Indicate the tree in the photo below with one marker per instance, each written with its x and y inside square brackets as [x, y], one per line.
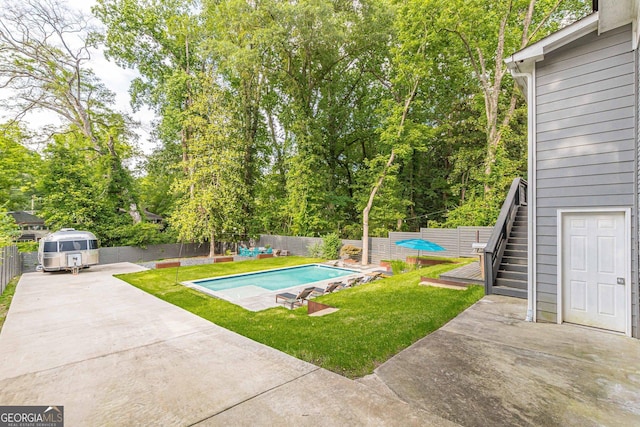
[238, 44]
[71, 189]
[216, 156]
[9, 230]
[19, 170]
[485, 33]
[323, 68]
[44, 50]
[157, 176]
[394, 138]
[160, 39]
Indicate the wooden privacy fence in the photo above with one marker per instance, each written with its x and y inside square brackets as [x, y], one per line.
[456, 241]
[9, 265]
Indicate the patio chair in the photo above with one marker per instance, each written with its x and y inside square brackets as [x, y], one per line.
[367, 279]
[374, 275]
[334, 286]
[354, 282]
[293, 299]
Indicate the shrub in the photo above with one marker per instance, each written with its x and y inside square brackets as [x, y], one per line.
[315, 250]
[398, 266]
[350, 250]
[331, 246]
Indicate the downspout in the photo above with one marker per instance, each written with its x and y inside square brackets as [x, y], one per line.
[531, 180]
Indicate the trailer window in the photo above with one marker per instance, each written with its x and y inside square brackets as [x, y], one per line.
[75, 245]
[93, 244]
[50, 247]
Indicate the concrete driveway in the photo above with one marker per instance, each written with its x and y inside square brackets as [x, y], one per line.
[114, 355]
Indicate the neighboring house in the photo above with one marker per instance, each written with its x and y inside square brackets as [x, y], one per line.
[153, 218]
[32, 227]
[581, 85]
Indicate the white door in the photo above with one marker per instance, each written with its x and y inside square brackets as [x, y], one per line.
[594, 270]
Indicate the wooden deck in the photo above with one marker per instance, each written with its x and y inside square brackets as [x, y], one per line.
[467, 274]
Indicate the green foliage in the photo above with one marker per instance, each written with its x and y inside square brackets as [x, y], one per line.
[364, 331]
[72, 188]
[27, 246]
[213, 194]
[6, 298]
[483, 209]
[159, 172]
[478, 211]
[141, 235]
[331, 246]
[9, 230]
[82, 181]
[280, 117]
[315, 250]
[19, 169]
[398, 267]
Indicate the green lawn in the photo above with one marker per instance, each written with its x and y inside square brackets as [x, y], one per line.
[5, 299]
[374, 321]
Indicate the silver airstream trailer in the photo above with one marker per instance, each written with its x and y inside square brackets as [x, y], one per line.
[68, 249]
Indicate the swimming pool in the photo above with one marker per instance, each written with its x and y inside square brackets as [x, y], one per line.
[239, 286]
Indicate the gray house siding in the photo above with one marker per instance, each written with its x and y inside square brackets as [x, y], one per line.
[585, 144]
[635, 289]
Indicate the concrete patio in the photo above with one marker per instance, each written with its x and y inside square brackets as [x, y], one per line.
[488, 367]
[114, 355]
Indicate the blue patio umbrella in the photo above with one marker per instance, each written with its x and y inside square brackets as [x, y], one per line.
[420, 245]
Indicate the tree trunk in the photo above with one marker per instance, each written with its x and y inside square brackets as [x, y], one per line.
[367, 209]
[212, 245]
[374, 190]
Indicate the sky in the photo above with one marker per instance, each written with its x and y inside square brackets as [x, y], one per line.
[115, 79]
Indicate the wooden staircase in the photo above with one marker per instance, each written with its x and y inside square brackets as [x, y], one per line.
[512, 272]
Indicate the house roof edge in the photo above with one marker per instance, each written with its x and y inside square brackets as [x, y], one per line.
[525, 58]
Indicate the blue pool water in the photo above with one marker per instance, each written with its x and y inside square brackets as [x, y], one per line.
[274, 280]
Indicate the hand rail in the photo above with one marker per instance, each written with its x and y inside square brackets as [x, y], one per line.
[494, 250]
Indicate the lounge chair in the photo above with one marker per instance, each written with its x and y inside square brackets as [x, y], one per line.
[353, 282]
[370, 277]
[334, 286]
[293, 299]
[367, 279]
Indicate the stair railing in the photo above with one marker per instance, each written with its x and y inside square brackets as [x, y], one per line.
[494, 250]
